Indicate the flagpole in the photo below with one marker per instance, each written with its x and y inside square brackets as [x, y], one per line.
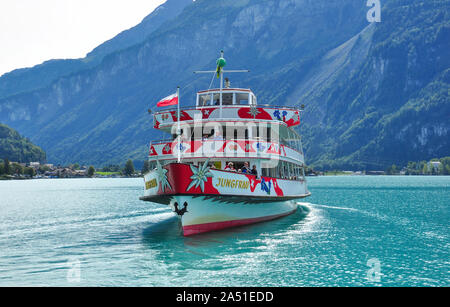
[221, 85]
[178, 129]
[221, 88]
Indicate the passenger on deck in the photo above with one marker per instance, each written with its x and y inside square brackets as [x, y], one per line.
[230, 167]
[217, 136]
[254, 171]
[245, 169]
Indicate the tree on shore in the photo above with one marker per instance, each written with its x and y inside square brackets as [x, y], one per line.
[43, 169]
[145, 167]
[392, 170]
[30, 171]
[425, 169]
[17, 169]
[6, 167]
[111, 168]
[91, 171]
[129, 168]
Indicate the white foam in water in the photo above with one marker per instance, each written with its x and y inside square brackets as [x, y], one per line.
[309, 222]
[51, 225]
[330, 207]
[160, 217]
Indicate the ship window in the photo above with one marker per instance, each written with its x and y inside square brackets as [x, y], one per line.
[242, 98]
[204, 100]
[227, 99]
[216, 99]
[261, 132]
[272, 172]
[284, 170]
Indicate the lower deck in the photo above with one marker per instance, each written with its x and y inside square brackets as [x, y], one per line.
[175, 179]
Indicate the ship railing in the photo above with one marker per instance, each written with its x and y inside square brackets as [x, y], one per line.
[257, 148]
[211, 139]
[194, 107]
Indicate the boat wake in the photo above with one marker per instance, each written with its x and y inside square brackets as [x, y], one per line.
[328, 207]
[160, 226]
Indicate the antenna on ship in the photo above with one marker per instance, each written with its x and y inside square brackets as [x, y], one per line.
[221, 62]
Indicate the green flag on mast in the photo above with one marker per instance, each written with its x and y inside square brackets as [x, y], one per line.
[220, 64]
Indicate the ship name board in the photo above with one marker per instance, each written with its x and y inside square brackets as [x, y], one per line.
[232, 183]
[150, 184]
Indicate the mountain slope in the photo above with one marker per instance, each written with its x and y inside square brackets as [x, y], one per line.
[39, 76]
[17, 148]
[374, 94]
[163, 13]
[394, 106]
[99, 115]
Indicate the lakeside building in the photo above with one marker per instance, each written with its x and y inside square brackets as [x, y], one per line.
[434, 165]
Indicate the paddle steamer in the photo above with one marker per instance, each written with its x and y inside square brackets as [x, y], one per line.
[229, 161]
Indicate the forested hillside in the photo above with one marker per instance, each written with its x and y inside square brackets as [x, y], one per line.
[375, 94]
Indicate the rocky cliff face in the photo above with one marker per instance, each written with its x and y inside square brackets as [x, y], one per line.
[386, 99]
[322, 54]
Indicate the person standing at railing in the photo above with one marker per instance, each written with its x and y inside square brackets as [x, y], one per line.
[254, 171]
[245, 169]
[230, 167]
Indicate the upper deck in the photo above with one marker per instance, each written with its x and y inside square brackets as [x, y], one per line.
[235, 104]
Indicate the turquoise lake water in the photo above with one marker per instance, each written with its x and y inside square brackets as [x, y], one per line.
[354, 231]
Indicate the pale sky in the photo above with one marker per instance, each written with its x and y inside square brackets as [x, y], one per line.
[33, 31]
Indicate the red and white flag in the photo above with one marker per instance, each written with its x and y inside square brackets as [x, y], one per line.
[168, 101]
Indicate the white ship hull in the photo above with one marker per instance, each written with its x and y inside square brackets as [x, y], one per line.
[217, 199]
[205, 214]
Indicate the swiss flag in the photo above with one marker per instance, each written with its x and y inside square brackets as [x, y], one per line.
[168, 101]
[152, 151]
[167, 149]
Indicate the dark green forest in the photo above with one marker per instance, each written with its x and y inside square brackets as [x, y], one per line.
[17, 148]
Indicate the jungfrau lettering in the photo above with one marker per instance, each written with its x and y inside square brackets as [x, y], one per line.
[232, 183]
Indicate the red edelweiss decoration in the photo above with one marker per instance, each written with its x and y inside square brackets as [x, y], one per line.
[255, 113]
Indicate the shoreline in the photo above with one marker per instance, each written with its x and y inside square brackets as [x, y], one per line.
[3, 178]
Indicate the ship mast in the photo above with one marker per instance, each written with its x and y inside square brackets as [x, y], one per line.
[220, 64]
